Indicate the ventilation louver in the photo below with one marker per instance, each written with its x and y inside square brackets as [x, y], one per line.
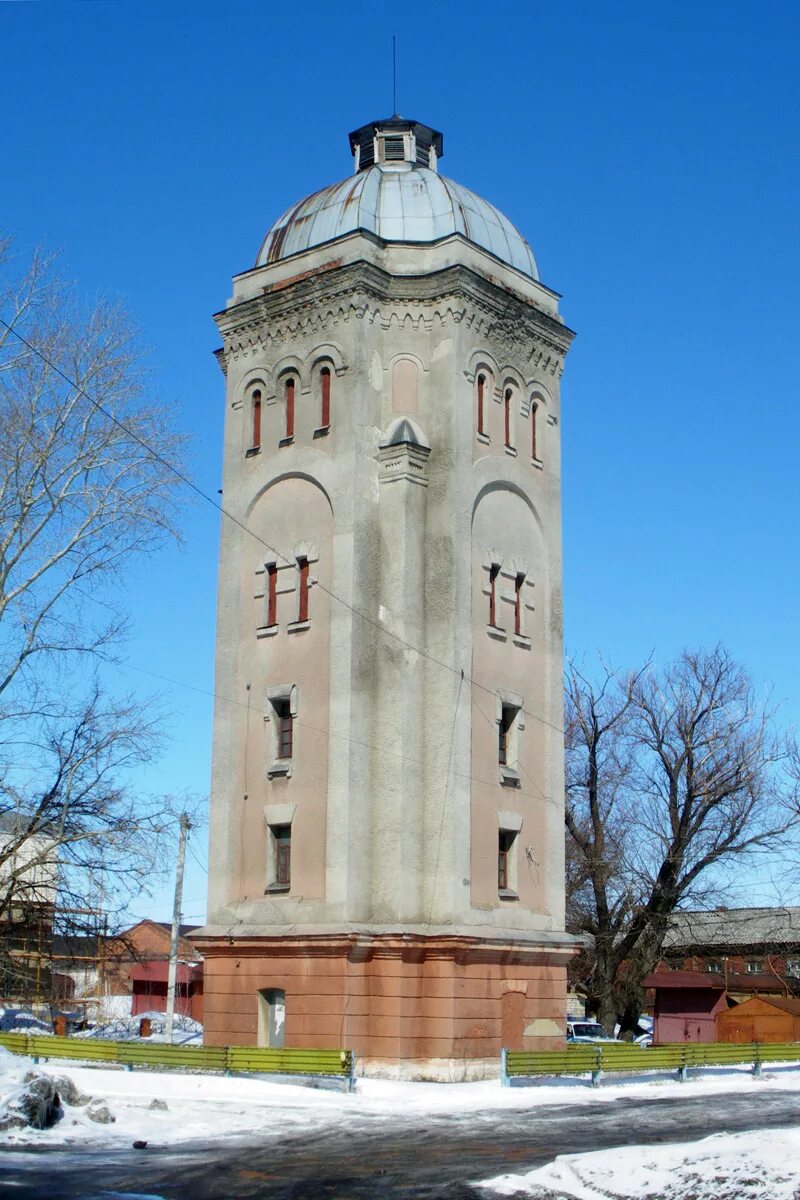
[394, 149]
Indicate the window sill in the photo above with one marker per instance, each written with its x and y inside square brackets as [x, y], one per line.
[298, 626]
[483, 438]
[252, 451]
[519, 639]
[496, 632]
[511, 451]
[277, 889]
[287, 441]
[281, 766]
[267, 631]
[537, 462]
[507, 894]
[509, 777]
[323, 431]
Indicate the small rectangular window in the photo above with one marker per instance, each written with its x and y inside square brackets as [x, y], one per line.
[282, 841]
[285, 731]
[505, 841]
[714, 966]
[504, 731]
[793, 966]
[507, 417]
[755, 966]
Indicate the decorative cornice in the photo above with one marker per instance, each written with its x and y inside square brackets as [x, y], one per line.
[362, 291]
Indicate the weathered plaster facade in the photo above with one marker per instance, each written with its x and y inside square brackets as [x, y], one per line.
[401, 519]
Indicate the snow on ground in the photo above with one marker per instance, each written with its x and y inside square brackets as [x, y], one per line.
[205, 1106]
[186, 1031]
[741, 1166]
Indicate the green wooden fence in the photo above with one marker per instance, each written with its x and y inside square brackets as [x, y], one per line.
[331, 1064]
[525, 1066]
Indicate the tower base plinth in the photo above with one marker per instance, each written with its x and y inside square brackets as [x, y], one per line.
[407, 1005]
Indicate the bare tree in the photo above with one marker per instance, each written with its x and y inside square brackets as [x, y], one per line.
[82, 494]
[674, 778]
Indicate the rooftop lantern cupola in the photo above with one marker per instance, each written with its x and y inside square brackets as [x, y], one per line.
[396, 142]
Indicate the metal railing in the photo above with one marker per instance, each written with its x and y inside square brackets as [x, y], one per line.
[332, 1064]
[519, 1067]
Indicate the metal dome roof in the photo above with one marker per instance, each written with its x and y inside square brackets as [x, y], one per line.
[399, 201]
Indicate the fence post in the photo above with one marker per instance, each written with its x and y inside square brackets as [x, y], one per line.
[351, 1084]
[504, 1082]
[683, 1070]
[598, 1067]
[228, 1061]
[757, 1060]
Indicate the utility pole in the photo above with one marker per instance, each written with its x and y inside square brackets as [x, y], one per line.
[176, 925]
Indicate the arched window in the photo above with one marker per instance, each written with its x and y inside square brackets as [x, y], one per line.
[518, 582]
[289, 392]
[494, 571]
[272, 594]
[255, 413]
[534, 430]
[507, 398]
[325, 397]
[302, 600]
[405, 386]
[481, 400]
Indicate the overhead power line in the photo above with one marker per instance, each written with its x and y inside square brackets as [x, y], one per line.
[220, 508]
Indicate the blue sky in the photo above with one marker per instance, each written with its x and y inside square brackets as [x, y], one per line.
[648, 152]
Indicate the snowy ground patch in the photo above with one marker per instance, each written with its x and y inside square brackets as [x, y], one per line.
[170, 1108]
[742, 1166]
[185, 1030]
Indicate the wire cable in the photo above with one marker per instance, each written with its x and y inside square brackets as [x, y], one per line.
[220, 508]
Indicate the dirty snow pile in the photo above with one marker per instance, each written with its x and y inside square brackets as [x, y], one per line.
[30, 1098]
[741, 1166]
[185, 1031]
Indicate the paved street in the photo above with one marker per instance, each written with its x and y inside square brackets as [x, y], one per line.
[372, 1159]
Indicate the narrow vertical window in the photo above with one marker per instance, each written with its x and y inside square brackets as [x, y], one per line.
[282, 840]
[494, 571]
[272, 594]
[302, 600]
[325, 388]
[504, 729]
[256, 415]
[534, 419]
[505, 840]
[285, 729]
[518, 583]
[507, 416]
[481, 399]
[289, 408]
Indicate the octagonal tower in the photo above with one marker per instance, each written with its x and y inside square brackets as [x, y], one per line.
[386, 853]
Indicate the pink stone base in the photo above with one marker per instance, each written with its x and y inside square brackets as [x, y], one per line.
[392, 999]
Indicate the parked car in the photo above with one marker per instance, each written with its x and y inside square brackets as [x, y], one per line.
[587, 1031]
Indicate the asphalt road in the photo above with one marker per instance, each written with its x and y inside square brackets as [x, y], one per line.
[375, 1159]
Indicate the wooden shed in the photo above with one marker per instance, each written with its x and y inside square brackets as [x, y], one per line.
[760, 1019]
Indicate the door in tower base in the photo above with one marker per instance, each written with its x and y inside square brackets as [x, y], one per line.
[512, 1019]
[271, 1017]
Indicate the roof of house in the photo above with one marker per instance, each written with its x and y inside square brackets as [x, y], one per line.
[789, 1004]
[733, 927]
[684, 979]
